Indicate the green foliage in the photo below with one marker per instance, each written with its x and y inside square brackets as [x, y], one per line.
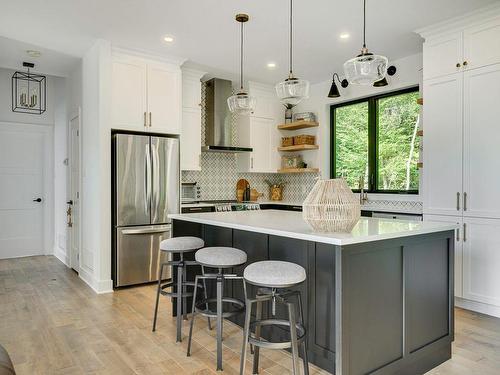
[397, 143]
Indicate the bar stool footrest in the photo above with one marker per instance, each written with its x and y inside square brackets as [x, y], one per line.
[172, 284]
[202, 310]
[301, 334]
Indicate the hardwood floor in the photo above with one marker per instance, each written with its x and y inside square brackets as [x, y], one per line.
[52, 323]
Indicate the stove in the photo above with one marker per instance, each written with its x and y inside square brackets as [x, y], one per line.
[233, 206]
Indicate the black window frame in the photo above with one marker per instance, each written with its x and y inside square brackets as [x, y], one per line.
[373, 151]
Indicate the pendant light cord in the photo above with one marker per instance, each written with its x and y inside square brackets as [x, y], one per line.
[291, 37]
[364, 23]
[241, 58]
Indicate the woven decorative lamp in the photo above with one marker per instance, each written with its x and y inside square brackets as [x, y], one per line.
[331, 207]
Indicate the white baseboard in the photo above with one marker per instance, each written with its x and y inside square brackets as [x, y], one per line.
[479, 307]
[98, 286]
[61, 255]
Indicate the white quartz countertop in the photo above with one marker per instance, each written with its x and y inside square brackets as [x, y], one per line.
[290, 224]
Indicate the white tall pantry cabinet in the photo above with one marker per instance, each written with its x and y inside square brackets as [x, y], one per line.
[461, 116]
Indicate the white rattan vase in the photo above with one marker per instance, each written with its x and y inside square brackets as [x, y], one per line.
[331, 207]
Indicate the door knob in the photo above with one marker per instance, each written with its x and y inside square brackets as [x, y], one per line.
[70, 202]
[37, 200]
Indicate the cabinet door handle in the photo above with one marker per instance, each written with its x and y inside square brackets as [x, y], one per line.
[150, 119]
[465, 234]
[465, 63]
[458, 234]
[145, 120]
[251, 163]
[458, 201]
[465, 201]
[458, 65]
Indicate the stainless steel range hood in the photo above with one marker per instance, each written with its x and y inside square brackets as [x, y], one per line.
[218, 127]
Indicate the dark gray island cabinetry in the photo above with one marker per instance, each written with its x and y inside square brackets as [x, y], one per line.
[379, 299]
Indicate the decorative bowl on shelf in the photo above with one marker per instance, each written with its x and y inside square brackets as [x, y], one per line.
[331, 207]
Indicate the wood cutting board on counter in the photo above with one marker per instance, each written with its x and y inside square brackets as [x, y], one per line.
[241, 185]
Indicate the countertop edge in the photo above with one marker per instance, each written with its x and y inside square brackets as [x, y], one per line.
[313, 237]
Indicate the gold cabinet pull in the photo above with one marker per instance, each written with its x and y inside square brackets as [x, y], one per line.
[150, 119]
[458, 201]
[465, 63]
[145, 120]
[458, 65]
[465, 201]
[465, 235]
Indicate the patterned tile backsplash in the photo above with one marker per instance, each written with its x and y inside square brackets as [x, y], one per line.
[218, 176]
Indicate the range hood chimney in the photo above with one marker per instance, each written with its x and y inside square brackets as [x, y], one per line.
[218, 127]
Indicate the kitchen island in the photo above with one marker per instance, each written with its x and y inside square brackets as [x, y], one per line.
[379, 299]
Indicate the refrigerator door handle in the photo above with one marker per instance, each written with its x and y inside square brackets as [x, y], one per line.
[161, 229]
[155, 184]
[147, 177]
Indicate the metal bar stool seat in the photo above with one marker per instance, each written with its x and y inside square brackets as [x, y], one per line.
[274, 277]
[220, 258]
[178, 289]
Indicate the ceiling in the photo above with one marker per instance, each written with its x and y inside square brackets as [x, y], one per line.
[206, 34]
[14, 52]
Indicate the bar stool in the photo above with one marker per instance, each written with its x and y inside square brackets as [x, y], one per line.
[178, 245]
[274, 277]
[220, 258]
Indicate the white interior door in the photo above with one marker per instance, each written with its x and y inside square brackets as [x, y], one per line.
[442, 179]
[74, 195]
[22, 164]
[481, 136]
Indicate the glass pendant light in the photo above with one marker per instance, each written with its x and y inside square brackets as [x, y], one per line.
[366, 68]
[292, 90]
[241, 103]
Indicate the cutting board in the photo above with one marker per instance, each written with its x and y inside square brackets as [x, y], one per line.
[241, 185]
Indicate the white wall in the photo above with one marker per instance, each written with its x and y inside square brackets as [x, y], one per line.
[96, 168]
[409, 73]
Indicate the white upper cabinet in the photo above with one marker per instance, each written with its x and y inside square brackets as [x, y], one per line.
[443, 55]
[471, 48]
[481, 142]
[482, 45]
[146, 95]
[481, 260]
[164, 98]
[128, 93]
[442, 174]
[191, 120]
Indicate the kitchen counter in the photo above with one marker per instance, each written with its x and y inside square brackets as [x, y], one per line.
[290, 224]
[378, 299]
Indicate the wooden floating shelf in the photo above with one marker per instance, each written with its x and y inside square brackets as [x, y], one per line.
[296, 125]
[298, 170]
[420, 133]
[298, 148]
[420, 101]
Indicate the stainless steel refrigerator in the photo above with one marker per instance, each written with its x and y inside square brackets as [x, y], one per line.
[145, 190]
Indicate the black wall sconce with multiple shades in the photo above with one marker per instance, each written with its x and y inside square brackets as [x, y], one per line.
[334, 90]
[29, 91]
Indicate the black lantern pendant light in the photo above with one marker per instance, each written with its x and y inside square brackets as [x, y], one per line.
[292, 90]
[366, 68]
[334, 90]
[29, 91]
[241, 103]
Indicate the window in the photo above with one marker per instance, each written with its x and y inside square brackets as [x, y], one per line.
[375, 141]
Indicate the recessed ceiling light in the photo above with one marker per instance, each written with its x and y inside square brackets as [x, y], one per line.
[168, 39]
[271, 65]
[33, 53]
[344, 36]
